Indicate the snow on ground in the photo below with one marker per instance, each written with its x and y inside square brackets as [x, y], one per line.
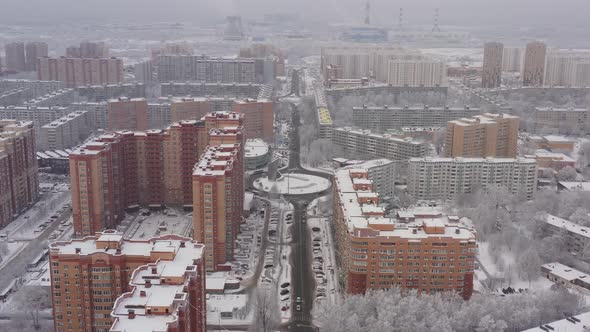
[219, 306]
[506, 276]
[294, 184]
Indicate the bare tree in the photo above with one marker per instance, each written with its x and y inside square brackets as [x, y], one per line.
[529, 265]
[267, 315]
[32, 300]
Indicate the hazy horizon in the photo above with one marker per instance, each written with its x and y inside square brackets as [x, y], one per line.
[570, 13]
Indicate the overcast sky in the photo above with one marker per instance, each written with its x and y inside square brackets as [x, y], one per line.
[552, 13]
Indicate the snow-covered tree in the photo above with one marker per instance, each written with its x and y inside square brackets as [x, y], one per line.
[529, 265]
[567, 173]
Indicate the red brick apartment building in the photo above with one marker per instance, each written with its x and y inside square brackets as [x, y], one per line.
[126, 169]
[419, 249]
[127, 114]
[105, 283]
[19, 185]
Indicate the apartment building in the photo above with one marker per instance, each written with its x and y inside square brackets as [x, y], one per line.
[127, 114]
[204, 69]
[567, 68]
[418, 72]
[258, 118]
[448, 178]
[63, 97]
[13, 96]
[144, 72]
[19, 184]
[576, 236]
[122, 169]
[15, 56]
[562, 120]
[35, 50]
[40, 116]
[491, 76]
[383, 118]
[159, 114]
[218, 197]
[88, 49]
[420, 249]
[354, 62]
[65, 132]
[97, 112]
[105, 283]
[233, 90]
[34, 88]
[77, 72]
[100, 93]
[512, 58]
[365, 143]
[534, 64]
[567, 277]
[382, 172]
[486, 135]
[189, 108]
[325, 123]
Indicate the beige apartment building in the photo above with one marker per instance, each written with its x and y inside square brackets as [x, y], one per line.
[491, 76]
[534, 64]
[486, 135]
[562, 120]
[76, 72]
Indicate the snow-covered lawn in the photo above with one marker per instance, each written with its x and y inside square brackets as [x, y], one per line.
[159, 224]
[293, 184]
[507, 274]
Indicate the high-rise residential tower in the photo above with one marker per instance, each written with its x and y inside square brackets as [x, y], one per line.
[491, 76]
[534, 64]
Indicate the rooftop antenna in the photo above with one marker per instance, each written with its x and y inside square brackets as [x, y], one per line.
[368, 13]
[436, 28]
[401, 19]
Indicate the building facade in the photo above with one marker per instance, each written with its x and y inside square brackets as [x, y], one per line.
[420, 73]
[576, 236]
[77, 72]
[491, 76]
[204, 69]
[19, 185]
[34, 51]
[512, 58]
[93, 278]
[534, 64]
[486, 135]
[382, 118]
[258, 118]
[127, 114]
[15, 56]
[567, 68]
[417, 250]
[125, 169]
[365, 143]
[448, 178]
[562, 120]
[65, 132]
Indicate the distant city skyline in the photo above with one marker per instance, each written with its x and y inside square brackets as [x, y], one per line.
[383, 12]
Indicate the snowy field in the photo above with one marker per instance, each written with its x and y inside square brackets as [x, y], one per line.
[293, 184]
[228, 303]
[505, 273]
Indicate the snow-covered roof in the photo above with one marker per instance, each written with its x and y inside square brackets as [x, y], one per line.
[255, 148]
[541, 153]
[575, 186]
[154, 303]
[488, 160]
[360, 216]
[565, 272]
[568, 225]
[578, 323]
[556, 138]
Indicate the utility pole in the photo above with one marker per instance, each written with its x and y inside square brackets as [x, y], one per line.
[368, 13]
[435, 28]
